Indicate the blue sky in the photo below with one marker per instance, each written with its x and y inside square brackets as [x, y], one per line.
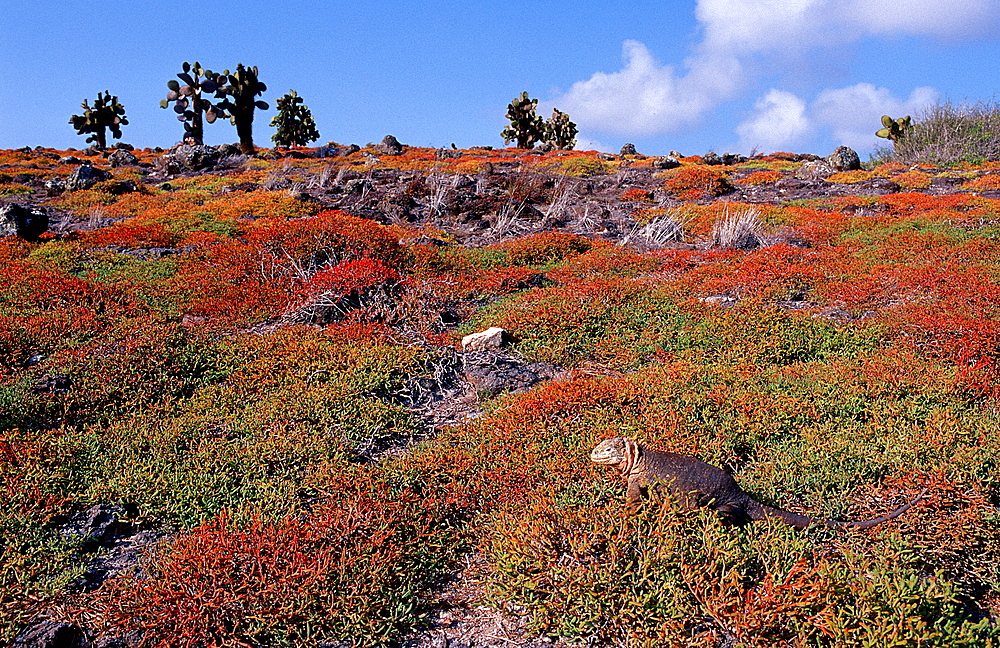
[699, 75]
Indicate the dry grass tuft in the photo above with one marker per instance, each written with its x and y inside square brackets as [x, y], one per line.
[742, 230]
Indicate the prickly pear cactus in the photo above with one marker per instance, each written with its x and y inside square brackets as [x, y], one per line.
[526, 127]
[294, 122]
[560, 132]
[894, 130]
[241, 92]
[106, 114]
[191, 102]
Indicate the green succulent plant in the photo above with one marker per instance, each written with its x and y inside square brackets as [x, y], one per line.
[294, 122]
[526, 127]
[106, 114]
[191, 102]
[240, 100]
[560, 132]
[894, 129]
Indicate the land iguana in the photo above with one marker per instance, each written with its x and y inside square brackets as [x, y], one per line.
[694, 483]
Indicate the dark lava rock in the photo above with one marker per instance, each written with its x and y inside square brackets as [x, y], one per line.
[628, 149]
[123, 187]
[85, 177]
[711, 158]
[191, 157]
[54, 186]
[100, 525]
[228, 149]
[27, 222]
[665, 162]
[59, 384]
[844, 158]
[121, 157]
[389, 146]
[495, 373]
[51, 634]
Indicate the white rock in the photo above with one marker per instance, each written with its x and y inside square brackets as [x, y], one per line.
[489, 340]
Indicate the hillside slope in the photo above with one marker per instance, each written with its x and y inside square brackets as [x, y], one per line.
[235, 408]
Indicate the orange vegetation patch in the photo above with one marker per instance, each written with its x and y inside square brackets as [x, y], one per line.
[850, 177]
[911, 180]
[986, 183]
[697, 182]
[636, 194]
[760, 177]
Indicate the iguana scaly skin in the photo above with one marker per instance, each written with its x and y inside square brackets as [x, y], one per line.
[694, 483]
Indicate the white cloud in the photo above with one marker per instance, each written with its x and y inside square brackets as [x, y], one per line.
[583, 143]
[643, 97]
[646, 97]
[780, 122]
[853, 113]
[927, 17]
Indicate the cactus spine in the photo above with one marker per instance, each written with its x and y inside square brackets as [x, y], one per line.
[241, 100]
[894, 130]
[106, 114]
[560, 132]
[189, 99]
[294, 122]
[526, 127]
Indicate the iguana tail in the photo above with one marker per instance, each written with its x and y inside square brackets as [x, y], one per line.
[758, 511]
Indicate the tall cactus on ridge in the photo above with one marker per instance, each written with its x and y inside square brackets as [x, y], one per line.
[190, 102]
[525, 126]
[560, 132]
[294, 122]
[241, 100]
[107, 114]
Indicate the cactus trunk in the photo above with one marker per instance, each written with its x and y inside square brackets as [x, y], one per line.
[244, 128]
[102, 138]
[197, 132]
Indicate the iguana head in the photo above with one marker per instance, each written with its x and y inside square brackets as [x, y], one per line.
[618, 452]
[610, 452]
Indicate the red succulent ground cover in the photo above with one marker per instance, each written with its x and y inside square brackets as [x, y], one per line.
[222, 359]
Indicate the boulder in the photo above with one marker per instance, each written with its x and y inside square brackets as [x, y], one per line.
[711, 158]
[85, 176]
[191, 157]
[491, 339]
[121, 157]
[628, 149]
[844, 158]
[814, 171]
[733, 158]
[665, 162]
[389, 146]
[27, 222]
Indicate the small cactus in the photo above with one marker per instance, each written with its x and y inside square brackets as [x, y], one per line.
[106, 114]
[526, 127]
[241, 92]
[560, 132]
[190, 102]
[294, 122]
[894, 130]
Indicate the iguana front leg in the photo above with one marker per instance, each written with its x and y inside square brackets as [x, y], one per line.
[634, 494]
